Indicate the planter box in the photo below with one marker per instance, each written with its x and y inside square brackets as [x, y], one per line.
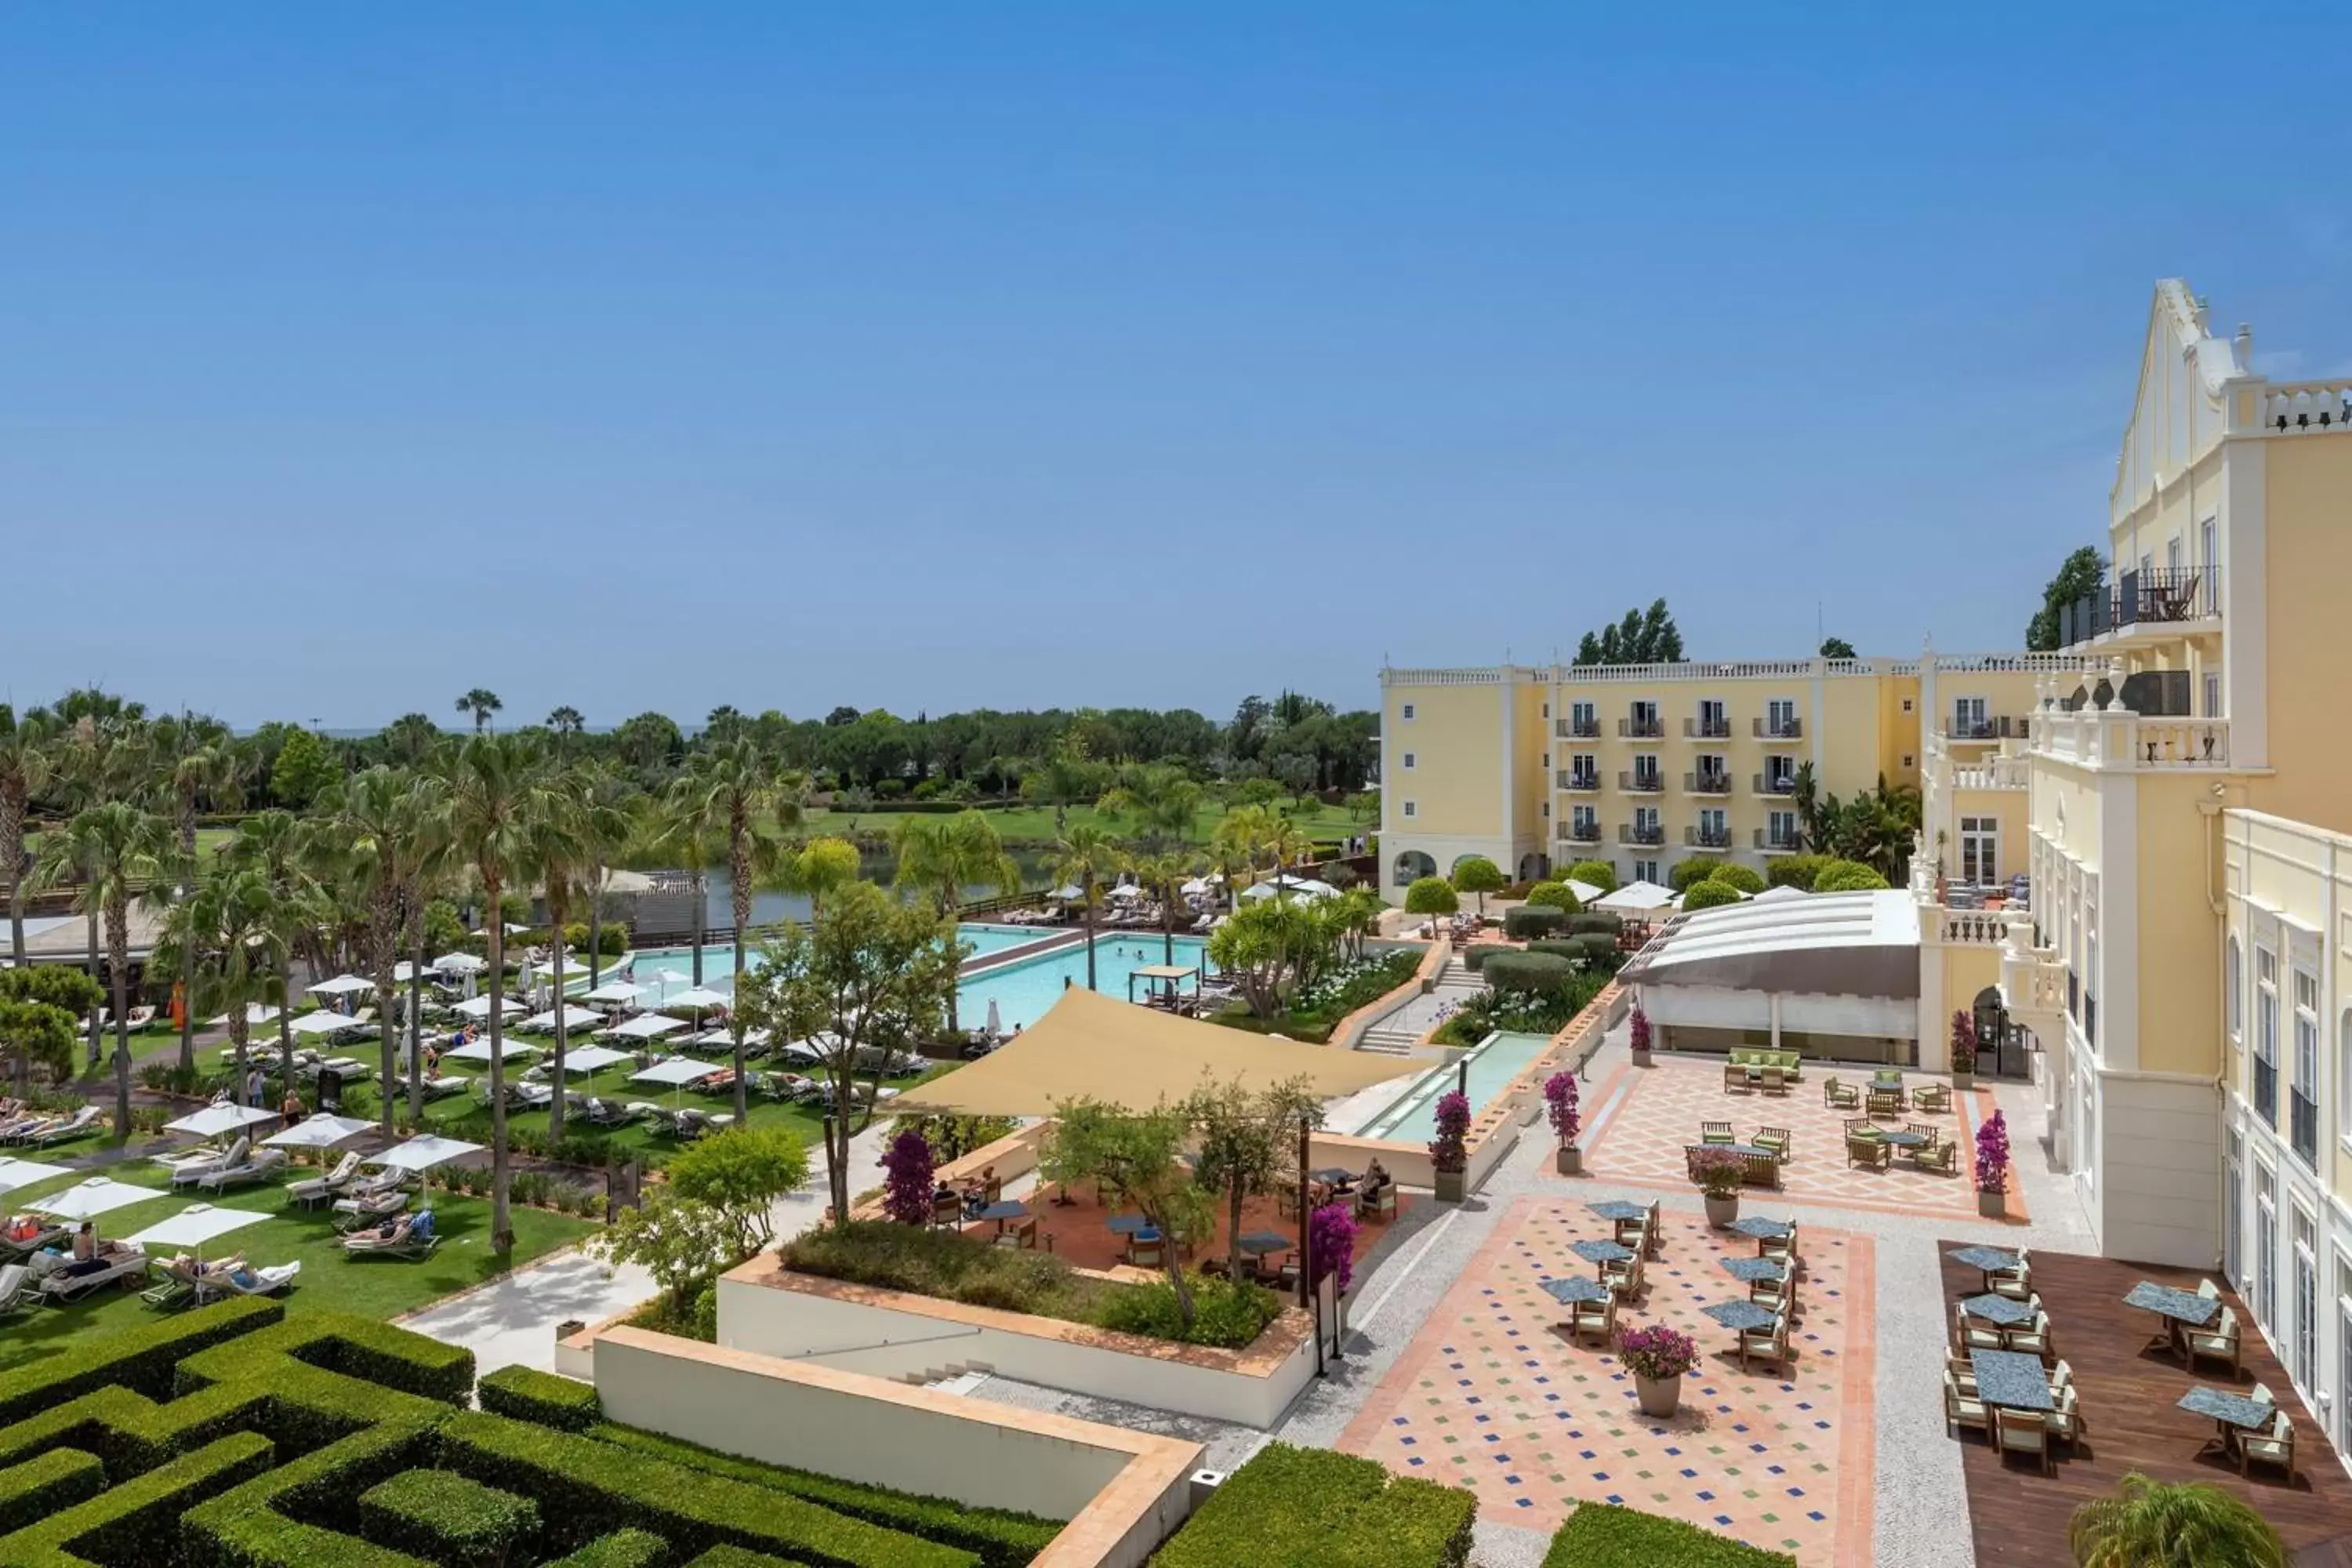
[1568, 1161]
[1659, 1396]
[1721, 1211]
[1992, 1205]
[1451, 1185]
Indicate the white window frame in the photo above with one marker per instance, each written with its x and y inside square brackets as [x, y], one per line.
[1586, 714]
[2344, 1079]
[1413, 808]
[1646, 769]
[1779, 826]
[2234, 981]
[1980, 849]
[1645, 818]
[2305, 1002]
[2265, 1248]
[2212, 695]
[1712, 818]
[1586, 816]
[2266, 1014]
[2303, 1337]
[1969, 712]
[1408, 713]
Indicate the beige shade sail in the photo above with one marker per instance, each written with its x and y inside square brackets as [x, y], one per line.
[1092, 1046]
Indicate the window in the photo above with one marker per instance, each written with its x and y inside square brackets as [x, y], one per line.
[2344, 1351]
[2172, 553]
[2211, 554]
[1647, 871]
[1408, 711]
[1907, 762]
[2212, 697]
[2232, 1212]
[1646, 821]
[1980, 850]
[1968, 717]
[2265, 1248]
[1407, 758]
[2233, 981]
[1587, 821]
[1641, 719]
[1780, 773]
[1781, 833]
[1547, 711]
[2305, 1347]
[2266, 1035]
[1713, 830]
[2344, 1077]
[1713, 720]
[1584, 720]
[1411, 809]
[1645, 770]
[2209, 585]
[1780, 717]
[2303, 1095]
[1906, 705]
[1584, 770]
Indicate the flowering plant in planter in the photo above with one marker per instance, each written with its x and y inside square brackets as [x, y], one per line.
[1638, 1032]
[1992, 1155]
[1718, 1172]
[907, 1195]
[1964, 1042]
[1332, 1233]
[1449, 1150]
[1658, 1352]
[1560, 1105]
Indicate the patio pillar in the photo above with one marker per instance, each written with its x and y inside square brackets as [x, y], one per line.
[1776, 1020]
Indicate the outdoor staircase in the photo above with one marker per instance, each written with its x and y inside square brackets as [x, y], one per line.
[956, 1377]
[1397, 1034]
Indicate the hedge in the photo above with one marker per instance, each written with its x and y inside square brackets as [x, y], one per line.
[38, 1488]
[454, 1521]
[622, 1548]
[267, 1522]
[735, 1557]
[1732, 874]
[1847, 876]
[1710, 894]
[1533, 919]
[139, 1359]
[1598, 874]
[596, 1487]
[527, 1394]
[1795, 870]
[1312, 1508]
[1602, 1535]
[1000, 1537]
[1691, 872]
[1528, 972]
[1558, 947]
[1554, 895]
[1596, 922]
[337, 1341]
[138, 1521]
[130, 1433]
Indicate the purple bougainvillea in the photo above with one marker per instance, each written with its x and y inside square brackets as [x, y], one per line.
[1560, 1105]
[907, 1197]
[1657, 1352]
[1449, 1150]
[1639, 1027]
[1332, 1233]
[1992, 1155]
[1963, 1041]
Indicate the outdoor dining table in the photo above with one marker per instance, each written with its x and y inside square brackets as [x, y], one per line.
[1258, 1243]
[1615, 1209]
[1739, 1316]
[2011, 1378]
[2175, 1307]
[1570, 1292]
[1986, 1260]
[2002, 1310]
[1009, 1208]
[1761, 1229]
[1127, 1224]
[1333, 1176]
[1904, 1138]
[1600, 1252]
[1754, 1270]
[2229, 1413]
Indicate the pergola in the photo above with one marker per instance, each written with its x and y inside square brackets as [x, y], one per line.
[1164, 980]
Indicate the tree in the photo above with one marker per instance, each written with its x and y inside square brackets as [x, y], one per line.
[383, 821]
[559, 853]
[303, 771]
[27, 753]
[1159, 802]
[1431, 895]
[608, 823]
[481, 702]
[863, 981]
[945, 855]
[40, 1006]
[119, 849]
[2186, 1524]
[1258, 947]
[1138, 1158]
[1243, 1140]
[1364, 805]
[284, 849]
[1847, 876]
[1477, 874]
[229, 917]
[2082, 574]
[199, 762]
[907, 1195]
[1086, 859]
[1163, 877]
[1707, 894]
[1838, 647]
[566, 722]
[409, 740]
[818, 869]
[1643, 636]
[1063, 777]
[741, 1172]
[679, 1242]
[1598, 874]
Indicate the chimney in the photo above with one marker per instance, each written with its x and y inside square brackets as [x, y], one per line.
[2245, 346]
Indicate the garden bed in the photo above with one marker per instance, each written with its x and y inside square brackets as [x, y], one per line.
[1312, 1015]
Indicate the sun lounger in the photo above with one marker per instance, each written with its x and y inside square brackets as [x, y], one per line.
[412, 1236]
[319, 1189]
[15, 1289]
[262, 1165]
[139, 1018]
[123, 1262]
[22, 1246]
[175, 1282]
[187, 1172]
[444, 1085]
[243, 1279]
[80, 1122]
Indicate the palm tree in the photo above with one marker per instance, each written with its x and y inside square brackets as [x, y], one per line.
[566, 722]
[284, 849]
[1254, 832]
[816, 870]
[481, 702]
[1165, 876]
[381, 822]
[99, 760]
[2186, 1524]
[561, 855]
[1162, 802]
[1064, 776]
[227, 917]
[119, 849]
[607, 826]
[26, 757]
[1084, 858]
[945, 855]
[198, 759]
[410, 739]
[496, 794]
[736, 789]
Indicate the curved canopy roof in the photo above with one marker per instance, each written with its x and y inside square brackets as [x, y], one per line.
[1838, 944]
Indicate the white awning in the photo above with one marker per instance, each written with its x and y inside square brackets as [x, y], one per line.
[1636, 898]
[461, 963]
[197, 1224]
[341, 985]
[480, 1006]
[15, 1174]
[213, 1120]
[425, 1151]
[696, 997]
[318, 1132]
[321, 1022]
[613, 991]
[649, 1026]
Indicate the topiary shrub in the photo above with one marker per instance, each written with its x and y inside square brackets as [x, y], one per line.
[1558, 947]
[1603, 1535]
[1598, 949]
[1528, 972]
[444, 1518]
[1554, 896]
[1709, 895]
[1594, 874]
[1847, 876]
[1533, 919]
[1294, 1505]
[1795, 870]
[1747, 879]
[1690, 872]
[1593, 920]
[1432, 896]
[1477, 874]
[527, 1394]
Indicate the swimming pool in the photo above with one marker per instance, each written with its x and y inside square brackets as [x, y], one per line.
[719, 960]
[1024, 988]
[1494, 1062]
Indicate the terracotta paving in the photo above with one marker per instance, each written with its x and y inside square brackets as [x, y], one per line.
[1493, 1394]
[1644, 1142]
[1078, 1231]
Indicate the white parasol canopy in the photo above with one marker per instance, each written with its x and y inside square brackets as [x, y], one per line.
[574, 1018]
[197, 1224]
[995, 1018]
[613, 991]
[480, 1006]
[649, 1026]
[1295, 887]
[215, 1121]
[402, 973]
[320, 1023]
[1126, 891]
[677, 1071]
[1636, 898]
[318, 1132]
[87, 1200]
[15, 1174]
[461, 963]
[698, 997]
[254, 1013]
[479, 1051]
[425, 1151]
[591, 1058]
[341, 985]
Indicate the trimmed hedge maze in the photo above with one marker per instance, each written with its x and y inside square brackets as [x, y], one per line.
[234, 1437]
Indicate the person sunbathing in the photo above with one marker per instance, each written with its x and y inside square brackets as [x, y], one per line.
[389, 1231]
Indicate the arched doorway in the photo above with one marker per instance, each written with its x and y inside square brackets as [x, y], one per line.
[2000, 1048]
[1534, 866]
[1411, 865]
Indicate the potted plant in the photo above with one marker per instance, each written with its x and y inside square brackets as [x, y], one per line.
[1638, 1033]
[1992, 1167]
[1449, 1152]
[1964, 1050]
[1720, 1173]
[1559, 1107]
[1657, 1356]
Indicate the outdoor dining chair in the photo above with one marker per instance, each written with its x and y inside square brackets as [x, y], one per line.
[1839, 1095]
[2022, 1432]
[2220, 1343]
[1871, 1153]
[1781, 1249]
[1717, 1132]
[2274, 1447]
[1940, 1157]
[1775, 1138]
[2031, 1338]
[2017, 1283]
[1961, 1406]
[1766, 1344]
[1595, 1317]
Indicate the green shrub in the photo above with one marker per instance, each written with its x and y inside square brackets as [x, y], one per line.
[1598, 874]
[1602, 922]
[1709, 895]
[1795, 870]
[139, 1359]
[1474, 957]
[290, 1517]
[1528, 972]
[1432, 896]
[1558, 947]
[339, 1341]
[139, 1520]
[1554, 895]
[735, 1557]
[593, 1488]
[1732, 874]
[1690, 872]
[622, 1548]
[1223, 1316]
[527, 1394]
[1312, 1508]
[1602, 1535]
[130, 1432]
[39, 1488]
[1847, 876]
[612, 938]
[1533, 919]
[1000, 1537]
[1599, 949]
[441, 1515]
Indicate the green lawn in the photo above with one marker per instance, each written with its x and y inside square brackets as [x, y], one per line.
[1033, 825]
[330, 1281]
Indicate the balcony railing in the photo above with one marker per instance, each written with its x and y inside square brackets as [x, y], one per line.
[2159, 595]
[1787, 729]
[2303, 1126]
[1773, 841]
[2266, 1091]
[1580, 832]
[2005, 727]
[1576, 728]
[1640, 782]
[1641, 833]
[1703, 837]
[2133, 742]
[1571, 779]
[1641, 729]
[1773, 784]
[1706, 784]
[1706, 729]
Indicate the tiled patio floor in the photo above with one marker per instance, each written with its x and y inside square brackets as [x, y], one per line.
[1493, 1396]
[1644, 1141]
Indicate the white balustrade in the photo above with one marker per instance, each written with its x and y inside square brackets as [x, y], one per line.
[2308, 406]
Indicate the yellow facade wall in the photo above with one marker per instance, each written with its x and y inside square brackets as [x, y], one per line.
[1852, 743]
[2180, 933]
[1966, 972]
[1455, 740]
[2009, 809]
[2308, 508]
[1530, 732]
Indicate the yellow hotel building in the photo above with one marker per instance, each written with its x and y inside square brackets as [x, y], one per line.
[2175, 784]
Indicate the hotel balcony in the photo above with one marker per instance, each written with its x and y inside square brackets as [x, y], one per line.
[1779, 728]
[1578, 782]
[1707, 729]
[1641, 784]
[2003, 727]
[1702, 836]
[1579, 831]
[1779, 785]
[1640, 833]
[1641, 729]
[1706, 784]
[2145, 608]
[1576, 728]
[1776, 843]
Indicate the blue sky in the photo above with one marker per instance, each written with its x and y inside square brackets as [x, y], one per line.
[934, 357]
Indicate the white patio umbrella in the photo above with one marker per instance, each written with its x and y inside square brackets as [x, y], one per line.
[425, 1151]
[613, 991]
[700, 998]
[461, 963]
[90, 1199]
[480, 1006]
[676, 1072]
[1126, 892]
[574, 1018]
[320, 1023]
[584, 1060]
[318, 1132]
[1636, 898]
[15, 1174]
[649, 1026]
[219, 1120]
[479, 1051]
[402, 973]
[254, 1013]
[995, 1019]
[195, 1225]
[341, 985]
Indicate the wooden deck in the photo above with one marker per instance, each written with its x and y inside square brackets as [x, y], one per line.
[2019, 1516]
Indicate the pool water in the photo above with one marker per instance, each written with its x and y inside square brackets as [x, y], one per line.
[984, 939]
[1024, 989]
[719, 960]
[1494, 1062]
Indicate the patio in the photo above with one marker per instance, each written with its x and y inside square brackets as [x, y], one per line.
[1079, 1231]
[1493, 1394]
[1664, 1107]
[2129, 1402]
